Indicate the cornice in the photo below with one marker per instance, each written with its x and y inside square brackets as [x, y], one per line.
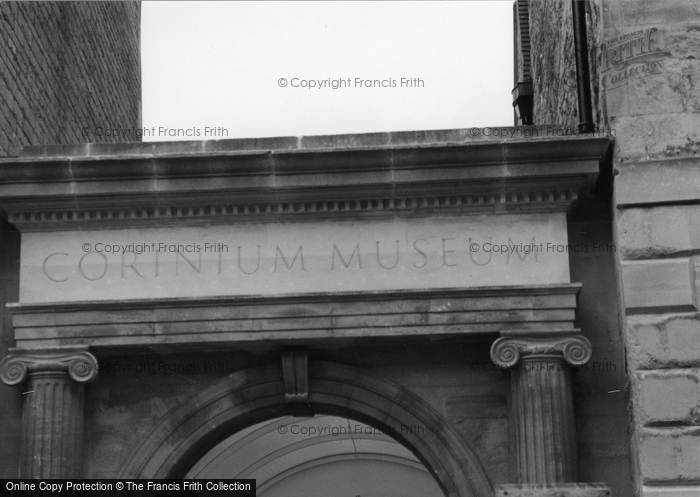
[89, 192]
[537, 199]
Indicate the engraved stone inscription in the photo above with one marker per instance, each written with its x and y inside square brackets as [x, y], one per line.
[294, 258]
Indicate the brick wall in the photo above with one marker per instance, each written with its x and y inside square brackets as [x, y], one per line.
[67, 66]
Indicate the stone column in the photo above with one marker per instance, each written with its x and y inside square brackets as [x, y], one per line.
[52, 419]
[542, 409]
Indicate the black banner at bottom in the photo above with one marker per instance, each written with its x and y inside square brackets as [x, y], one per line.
[128, 488]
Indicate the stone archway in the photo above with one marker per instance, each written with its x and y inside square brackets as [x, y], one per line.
[316, 456]
[246, 397]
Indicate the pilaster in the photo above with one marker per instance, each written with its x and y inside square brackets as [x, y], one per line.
[542, 410]
[52, 418]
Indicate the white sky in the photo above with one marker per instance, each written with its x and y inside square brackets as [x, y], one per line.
[218, 64]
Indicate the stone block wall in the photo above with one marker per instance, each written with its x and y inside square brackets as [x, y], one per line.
[646, 72]
[651, 86]
[67, 66]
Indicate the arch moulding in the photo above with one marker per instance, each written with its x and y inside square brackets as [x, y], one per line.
[250, 396]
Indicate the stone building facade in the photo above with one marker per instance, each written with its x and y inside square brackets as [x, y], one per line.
[518, 315]
[645, 60]
[64, 67]
[358, 276]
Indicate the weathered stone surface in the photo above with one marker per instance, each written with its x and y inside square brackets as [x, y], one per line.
[78, 365]
[670, 396]
[553, 64]
[52, 417]
[650, 98]
[659, 285]
[52, 449]
[670, 455]
[235, 398]
[596, 435]
[301, 143]
[659, 232]
[515, 346]
[658, 181]
[683, 41]
[246, 320]
[554, 490]
[273, 259]
[655, 136]
[618, 102]
[542, 408]
[10, 401]
[675, 491]
[671, 89]
[665, 342]
[630, 136]
[640, 12]
[656, 93]
[273, 186]
[656, 76]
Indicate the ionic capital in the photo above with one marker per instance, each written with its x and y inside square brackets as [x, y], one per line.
[80, 365]
[574, 349]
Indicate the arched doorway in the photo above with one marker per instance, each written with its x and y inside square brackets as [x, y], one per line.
[247, 397]
[318, 456]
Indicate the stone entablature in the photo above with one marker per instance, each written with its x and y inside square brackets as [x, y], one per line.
[433, 176]
[312, 318]
[373, 186]
[410, 212]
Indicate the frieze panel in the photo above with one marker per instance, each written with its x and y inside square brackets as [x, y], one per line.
[294, 258]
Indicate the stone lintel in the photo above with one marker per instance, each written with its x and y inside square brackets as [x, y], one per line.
[337, 316]
[553, 490]
[76, 362]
